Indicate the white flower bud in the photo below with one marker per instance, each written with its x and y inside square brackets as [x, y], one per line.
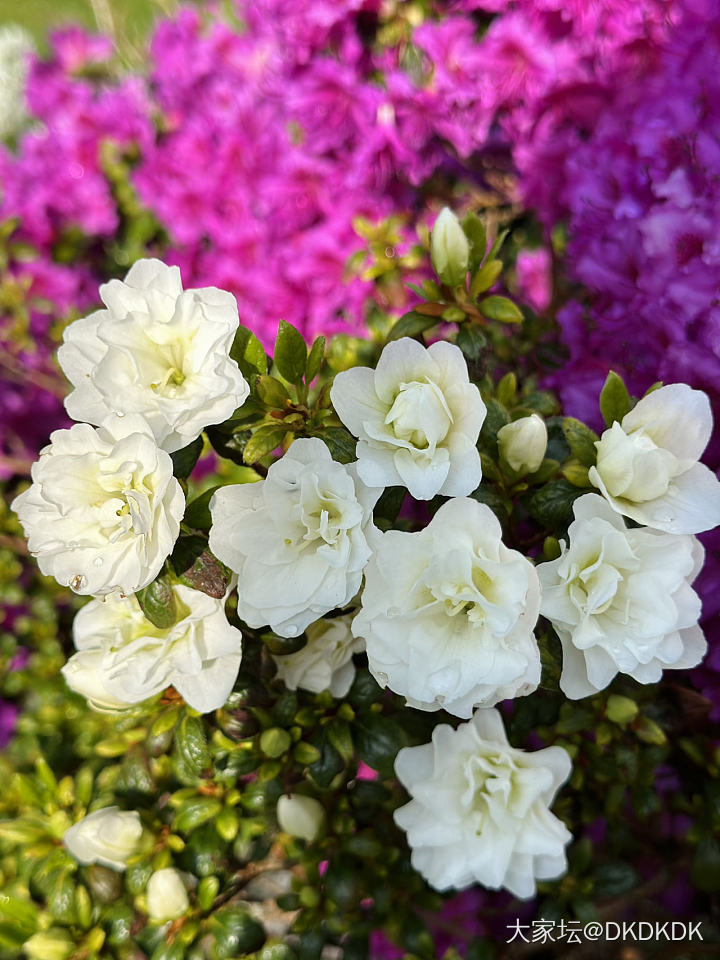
[523, 443]
[449, 249]
[300, 816]
[109, 836]
[167, 897]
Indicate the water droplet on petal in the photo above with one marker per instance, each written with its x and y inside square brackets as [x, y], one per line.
[98, 561]
[292, 631]
[78, 582]
[394, 611]
[382, 678]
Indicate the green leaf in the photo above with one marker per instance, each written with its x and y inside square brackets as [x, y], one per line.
[552, 504]
[497, 246]
[193, 813]
[191, 745]
[471, 340]
[290, 352]
[485, 277]
[581, 440]
[231, 446]
[330, 763]
[263, 441]
[195, 566]
[157, 601]
[272, 392]
[614, 399]
[235, 932]
[500, 309]
[378, 739]
[315, 359]
[389, 504]
[275, 742]
[474, 230]
[248, 353]
[613, 879]
[507, 389]
[576, 473]
[185, 459]
[705, 868]
[340, 443]
[61, 900]
[341, 738]
[410, 324]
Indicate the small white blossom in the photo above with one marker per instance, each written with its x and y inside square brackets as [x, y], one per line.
[480, 809]
[298, 540]
[156, 350]
[647, 465]
[449, 249]
[16, 46]
[300, 816]
[448, 613]
[417, 417]
[167, 897]
[123, 659]
[523, 443]
[621, 601]
[109, 836]
[104, 508]
[325, 662]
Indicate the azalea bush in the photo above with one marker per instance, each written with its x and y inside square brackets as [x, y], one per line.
[407, 637]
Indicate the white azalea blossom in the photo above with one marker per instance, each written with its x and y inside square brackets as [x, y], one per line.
[123, 658]
[621, 601]
[480, 809]
[167, 897]
[325, 662]
[109, 836]
[448, 613]
[298, 540]
[104, 509]
[647, 465]
[156, 350]
[417, 417]
[523, 443]
[300, 816]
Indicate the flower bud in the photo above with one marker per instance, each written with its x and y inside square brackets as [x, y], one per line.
[109, 836]
[54, 944]
[523, 443]
[449, 249]
[167, 897]
[300, 816]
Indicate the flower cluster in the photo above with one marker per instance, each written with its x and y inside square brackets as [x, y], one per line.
[446, 614]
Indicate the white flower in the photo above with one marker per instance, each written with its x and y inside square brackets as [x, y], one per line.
[298, 539]
[448, 613]
[300, 816]
[417, 417]
[16, 45]
[167, 897]
[104, 508]
[647, 465]
[523, 443]
[156, 350]
[109, 836]
[325, 662]
[480, 809]
[124, 659]
[449, 249]
[621, 601]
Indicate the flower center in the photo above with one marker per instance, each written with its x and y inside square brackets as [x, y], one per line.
[420, 415]
[174, 377]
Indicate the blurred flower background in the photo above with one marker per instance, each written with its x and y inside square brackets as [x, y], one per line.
[294, 152]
